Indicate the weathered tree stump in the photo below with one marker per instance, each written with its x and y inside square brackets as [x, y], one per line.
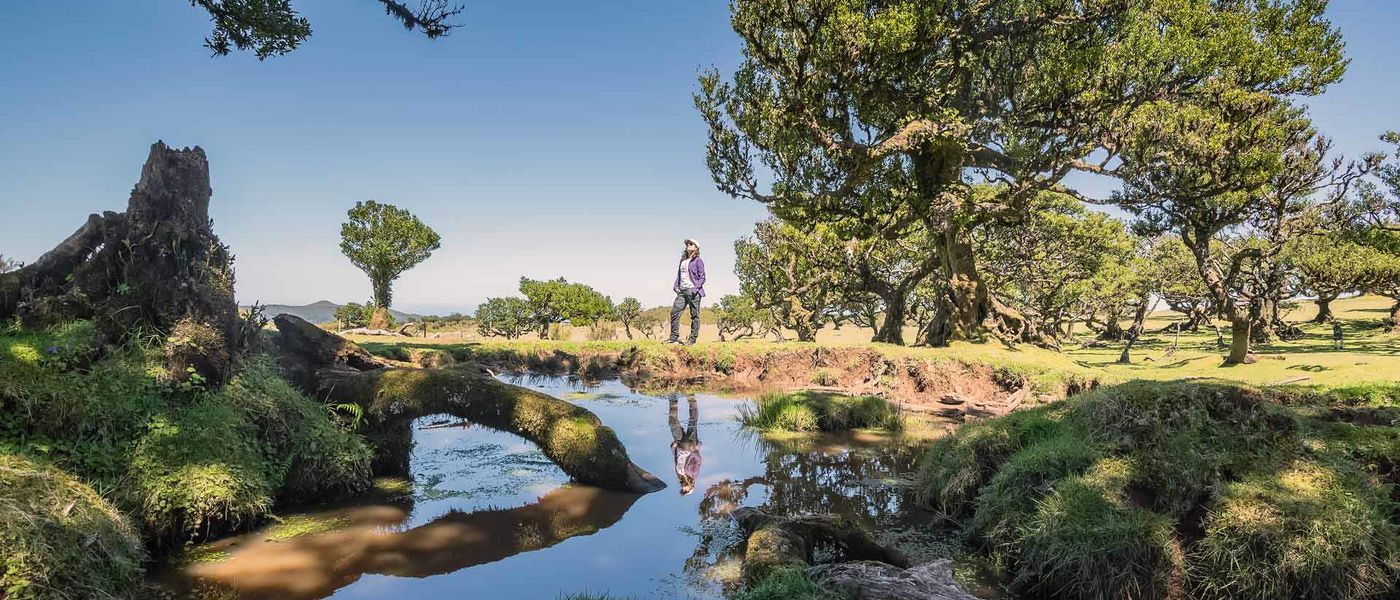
[149, 268]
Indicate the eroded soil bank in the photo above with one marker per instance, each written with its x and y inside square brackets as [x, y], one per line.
[948, 391]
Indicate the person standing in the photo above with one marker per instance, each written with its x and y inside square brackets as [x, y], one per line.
[690, 288]
[1336, 335]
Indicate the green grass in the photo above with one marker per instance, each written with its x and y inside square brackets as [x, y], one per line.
[787, 583]
[179, 461]
[809, 411]
[1371, 355]
[60, 539]
[1137, 489]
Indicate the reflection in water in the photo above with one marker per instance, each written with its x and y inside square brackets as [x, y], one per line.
[313, 566]
[452, 541]
[685, 444]
[834, 474]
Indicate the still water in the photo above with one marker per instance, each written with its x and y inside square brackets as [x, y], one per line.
[487, 515]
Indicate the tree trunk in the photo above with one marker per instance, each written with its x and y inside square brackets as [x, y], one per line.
[891, 330]
[1324, 309]
[963, 310]
[1135, 331]
[628, 328]
[1239, 341]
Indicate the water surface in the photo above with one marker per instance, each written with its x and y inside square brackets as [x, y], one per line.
[488, 515]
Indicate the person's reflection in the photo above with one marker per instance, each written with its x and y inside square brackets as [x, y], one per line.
[685, 443]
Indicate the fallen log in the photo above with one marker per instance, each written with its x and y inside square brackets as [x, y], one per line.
[338, 371]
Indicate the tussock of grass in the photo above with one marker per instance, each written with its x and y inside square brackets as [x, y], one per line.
[1103, 495]
[788, 583]
[1309, 530]
[60, 539]
[820, 411]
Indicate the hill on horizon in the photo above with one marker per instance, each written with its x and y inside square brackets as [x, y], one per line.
[324, 312]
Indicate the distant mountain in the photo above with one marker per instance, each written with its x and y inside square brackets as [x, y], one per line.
[324, 312]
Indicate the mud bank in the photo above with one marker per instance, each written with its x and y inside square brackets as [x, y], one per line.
[951, 391]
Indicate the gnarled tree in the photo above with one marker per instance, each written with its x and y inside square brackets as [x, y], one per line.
[884, 113]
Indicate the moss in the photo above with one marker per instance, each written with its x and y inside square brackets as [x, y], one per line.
[299, 525]
[200, 471]
[60, 539]
[820, 411]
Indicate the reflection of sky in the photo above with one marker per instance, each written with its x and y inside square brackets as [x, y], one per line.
[642, 556]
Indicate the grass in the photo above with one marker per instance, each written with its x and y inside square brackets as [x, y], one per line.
[179, 461]
[787, 583]
[1371, 354]
[809, 411]
[60, 539]
[1144, 488]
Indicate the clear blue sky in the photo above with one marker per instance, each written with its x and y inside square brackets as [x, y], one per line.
[546, 139]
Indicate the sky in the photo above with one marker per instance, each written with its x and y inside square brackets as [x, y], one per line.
[545, 139]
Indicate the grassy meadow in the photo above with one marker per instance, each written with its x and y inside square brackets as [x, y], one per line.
[1371, 355]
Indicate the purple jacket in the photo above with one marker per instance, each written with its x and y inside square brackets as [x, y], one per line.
[697, 276]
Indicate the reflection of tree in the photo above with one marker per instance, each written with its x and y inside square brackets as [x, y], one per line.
[314, 566]
[804, 477]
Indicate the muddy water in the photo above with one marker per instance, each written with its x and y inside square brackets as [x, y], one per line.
[487, 515]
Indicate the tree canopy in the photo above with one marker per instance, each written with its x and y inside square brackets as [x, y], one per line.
[507, 317]
[557, 301]
[273, 27]
[884, 114]
[384, 240]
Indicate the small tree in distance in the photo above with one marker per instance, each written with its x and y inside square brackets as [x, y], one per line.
[353, 314]
[504, 317]
[627, 312]
[558, 301]
[384, 240]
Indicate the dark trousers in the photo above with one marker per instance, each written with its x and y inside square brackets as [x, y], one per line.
[687, 298]
[687, 435]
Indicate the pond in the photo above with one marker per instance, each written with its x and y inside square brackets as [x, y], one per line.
[487, 513]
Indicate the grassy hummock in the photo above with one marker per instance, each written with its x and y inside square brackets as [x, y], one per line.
[60, 539]
[808, 411]
[1150, 490]
[178, 459]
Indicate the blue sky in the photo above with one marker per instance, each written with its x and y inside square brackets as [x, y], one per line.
[545, 139]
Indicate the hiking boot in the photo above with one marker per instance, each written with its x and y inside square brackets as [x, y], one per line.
[669, 342]
[690, 342]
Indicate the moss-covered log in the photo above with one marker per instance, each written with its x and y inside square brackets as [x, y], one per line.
[571, 436]
[339, 371]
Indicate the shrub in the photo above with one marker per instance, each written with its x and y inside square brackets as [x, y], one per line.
[60, 539]
[602, 331]
[560, 331]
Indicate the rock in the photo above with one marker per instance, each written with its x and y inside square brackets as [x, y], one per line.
[870, 580]
[775, 541]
